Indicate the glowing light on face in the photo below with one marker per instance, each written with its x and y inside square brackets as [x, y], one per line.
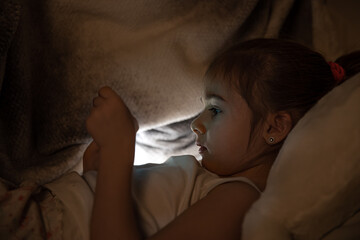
[223, 129]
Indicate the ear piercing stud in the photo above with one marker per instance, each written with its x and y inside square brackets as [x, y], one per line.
[271, 140]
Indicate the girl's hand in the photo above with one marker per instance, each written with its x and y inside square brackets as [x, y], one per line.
[110, 122]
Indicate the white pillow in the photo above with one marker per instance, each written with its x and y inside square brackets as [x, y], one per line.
[314, 184]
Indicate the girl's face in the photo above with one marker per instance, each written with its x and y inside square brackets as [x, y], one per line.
[223, 130]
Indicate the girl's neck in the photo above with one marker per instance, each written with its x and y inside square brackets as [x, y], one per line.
[258, 173]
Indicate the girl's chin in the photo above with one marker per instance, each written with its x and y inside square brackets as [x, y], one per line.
[205, 163]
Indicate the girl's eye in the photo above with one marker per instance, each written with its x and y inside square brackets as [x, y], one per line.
[214, 111]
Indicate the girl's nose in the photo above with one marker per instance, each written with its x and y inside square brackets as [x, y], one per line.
[197, 126]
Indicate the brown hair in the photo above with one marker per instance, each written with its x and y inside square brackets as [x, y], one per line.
[278, 75]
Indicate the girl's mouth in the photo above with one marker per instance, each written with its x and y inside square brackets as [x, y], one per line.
[202, 149]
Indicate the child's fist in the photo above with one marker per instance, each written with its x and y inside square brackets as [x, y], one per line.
[110, 121]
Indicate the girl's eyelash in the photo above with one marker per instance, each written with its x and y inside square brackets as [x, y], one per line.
[214, 110]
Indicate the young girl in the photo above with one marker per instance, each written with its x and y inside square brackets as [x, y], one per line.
[255, 92]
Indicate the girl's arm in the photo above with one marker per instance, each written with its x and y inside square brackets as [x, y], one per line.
[113, 213]
[113, 129]
[219, 215]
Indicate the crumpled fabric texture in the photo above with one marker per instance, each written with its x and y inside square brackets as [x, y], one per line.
[57, 54]
[29, 212]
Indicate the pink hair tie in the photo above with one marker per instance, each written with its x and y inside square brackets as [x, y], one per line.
[337, 71]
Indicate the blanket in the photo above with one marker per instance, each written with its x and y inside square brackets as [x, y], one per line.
[55, 55]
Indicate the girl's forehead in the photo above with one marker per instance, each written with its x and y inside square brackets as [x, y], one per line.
[220, 90]
[217, 87]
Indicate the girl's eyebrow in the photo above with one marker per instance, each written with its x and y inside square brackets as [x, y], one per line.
[213, 95]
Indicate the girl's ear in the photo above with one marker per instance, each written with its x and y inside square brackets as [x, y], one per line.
[276, 127]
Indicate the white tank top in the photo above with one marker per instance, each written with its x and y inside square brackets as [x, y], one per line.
[164, 191]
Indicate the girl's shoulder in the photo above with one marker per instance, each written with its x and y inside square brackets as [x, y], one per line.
[219, 215]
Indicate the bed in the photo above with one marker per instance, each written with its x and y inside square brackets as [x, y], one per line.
[55, 55]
